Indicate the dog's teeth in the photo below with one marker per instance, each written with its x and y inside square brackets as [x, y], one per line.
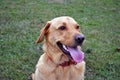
[65, 47]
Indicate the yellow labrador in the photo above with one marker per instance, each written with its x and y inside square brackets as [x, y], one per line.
[62, 58]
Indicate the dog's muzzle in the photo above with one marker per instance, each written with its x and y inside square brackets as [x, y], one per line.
[73, 53]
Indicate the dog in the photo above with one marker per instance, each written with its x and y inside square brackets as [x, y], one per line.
[62, 58]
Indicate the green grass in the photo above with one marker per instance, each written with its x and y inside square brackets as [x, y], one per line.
[21, 20]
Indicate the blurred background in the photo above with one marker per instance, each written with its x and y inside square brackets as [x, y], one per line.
[21, 21]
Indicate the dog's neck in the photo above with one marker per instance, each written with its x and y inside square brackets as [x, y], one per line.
[65, 63]
[68, 63]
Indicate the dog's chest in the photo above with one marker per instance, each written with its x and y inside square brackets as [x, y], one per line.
[52, 72]
[66, 73]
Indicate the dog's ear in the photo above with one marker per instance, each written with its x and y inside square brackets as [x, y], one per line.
[43, 32]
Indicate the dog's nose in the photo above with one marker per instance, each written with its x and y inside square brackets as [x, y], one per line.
[79, 38]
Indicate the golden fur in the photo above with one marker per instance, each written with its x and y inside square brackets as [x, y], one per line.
[48, 67]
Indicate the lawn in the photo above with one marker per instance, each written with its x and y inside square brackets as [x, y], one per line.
[21, 21]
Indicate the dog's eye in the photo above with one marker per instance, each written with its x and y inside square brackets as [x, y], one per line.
[62, 28]
[77, 27]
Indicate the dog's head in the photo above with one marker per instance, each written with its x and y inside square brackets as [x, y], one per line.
[64, 33]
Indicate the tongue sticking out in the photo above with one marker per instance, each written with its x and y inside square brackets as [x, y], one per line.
[76, 54]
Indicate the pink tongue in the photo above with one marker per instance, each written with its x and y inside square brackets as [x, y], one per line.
[76, 54]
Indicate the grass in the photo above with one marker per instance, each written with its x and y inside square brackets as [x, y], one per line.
[21, 20]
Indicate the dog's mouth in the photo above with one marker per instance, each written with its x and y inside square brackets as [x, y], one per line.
[72, 52]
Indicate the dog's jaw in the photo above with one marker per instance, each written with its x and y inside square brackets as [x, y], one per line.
[64, 50]
[73, 53]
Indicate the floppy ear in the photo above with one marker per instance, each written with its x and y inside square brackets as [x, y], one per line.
[43, 32]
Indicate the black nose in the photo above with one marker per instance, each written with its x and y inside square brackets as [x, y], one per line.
[79, 38]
